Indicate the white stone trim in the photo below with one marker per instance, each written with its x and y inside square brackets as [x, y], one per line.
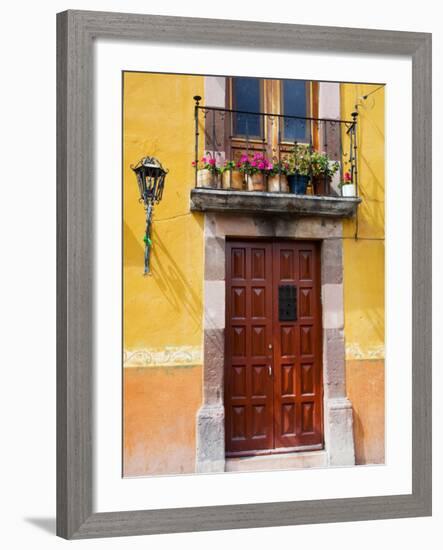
[214, 315]
[332, 304]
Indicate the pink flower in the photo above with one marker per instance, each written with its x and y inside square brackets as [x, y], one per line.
[253, 163]
[244, 158]
[258, 156]
[194, 163]
[347, 176]
[270, 165]
[238, 164]
[261, 165]
[204, 160]
[211, 162]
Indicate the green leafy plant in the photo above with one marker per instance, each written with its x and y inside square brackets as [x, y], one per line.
[321, 165]
[279, 168]
[299, 161]
[228, 165]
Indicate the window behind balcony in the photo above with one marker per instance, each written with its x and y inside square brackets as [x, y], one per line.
[295, 103]
[272, 135]
[247, 96]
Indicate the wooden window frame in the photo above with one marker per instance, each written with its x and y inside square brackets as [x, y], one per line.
[230, 102]
[309, 111]
[271, 101]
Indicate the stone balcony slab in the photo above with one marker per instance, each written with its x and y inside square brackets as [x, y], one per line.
[255, 202]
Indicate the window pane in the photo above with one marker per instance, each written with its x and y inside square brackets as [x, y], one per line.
[295, 103]
[246, 97]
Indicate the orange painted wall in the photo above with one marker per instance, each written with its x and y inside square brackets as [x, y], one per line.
[160, 406]
[365, 384]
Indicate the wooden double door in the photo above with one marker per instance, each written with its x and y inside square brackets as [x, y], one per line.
[273, 356]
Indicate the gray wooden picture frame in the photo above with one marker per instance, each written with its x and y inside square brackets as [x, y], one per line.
[76, 31]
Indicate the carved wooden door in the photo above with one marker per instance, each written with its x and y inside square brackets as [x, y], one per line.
[273, 383]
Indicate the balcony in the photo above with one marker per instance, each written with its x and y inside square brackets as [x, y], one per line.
[253, 202]
[251, 159]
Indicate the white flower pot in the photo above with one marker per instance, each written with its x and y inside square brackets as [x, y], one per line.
[348, 190]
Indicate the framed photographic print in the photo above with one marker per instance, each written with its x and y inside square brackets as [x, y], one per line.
[244, 280]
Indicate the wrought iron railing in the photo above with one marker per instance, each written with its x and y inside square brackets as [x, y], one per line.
[228, 134]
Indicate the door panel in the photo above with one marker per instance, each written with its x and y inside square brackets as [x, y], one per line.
[273, 384]
[297, 347]
[248, 382]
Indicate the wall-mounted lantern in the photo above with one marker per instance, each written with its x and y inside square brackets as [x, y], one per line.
[151, 177]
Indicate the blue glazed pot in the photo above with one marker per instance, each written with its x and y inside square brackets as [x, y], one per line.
[298, 184]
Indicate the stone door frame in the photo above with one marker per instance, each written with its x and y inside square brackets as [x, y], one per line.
[337, 409]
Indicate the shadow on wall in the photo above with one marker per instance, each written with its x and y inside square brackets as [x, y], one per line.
[172, 282]
[133, 249]
[359, 437]
[372, 193]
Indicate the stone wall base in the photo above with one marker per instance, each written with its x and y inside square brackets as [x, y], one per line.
[339, 432]
[210, 452]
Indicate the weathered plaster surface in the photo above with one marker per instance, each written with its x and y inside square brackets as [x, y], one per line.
[365, 385]
[159, 435]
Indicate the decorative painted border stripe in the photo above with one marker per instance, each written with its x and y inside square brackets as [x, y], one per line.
[166, 357]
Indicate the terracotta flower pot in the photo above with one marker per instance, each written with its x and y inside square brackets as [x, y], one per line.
[321, 185]
[205, 178]
[278, 184]
[255, 182]
[232, 180]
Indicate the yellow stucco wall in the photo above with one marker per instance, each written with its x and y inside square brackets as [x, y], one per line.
[173, 294]
[363, 276]
[162, 330]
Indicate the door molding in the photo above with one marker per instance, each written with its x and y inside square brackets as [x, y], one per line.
[337, 409]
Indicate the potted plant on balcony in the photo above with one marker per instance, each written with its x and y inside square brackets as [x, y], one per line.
[347, 186]
[299, 167]
[278, 177]
[255, 171]
[322, 169]
[208, 174]
[232, 178]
